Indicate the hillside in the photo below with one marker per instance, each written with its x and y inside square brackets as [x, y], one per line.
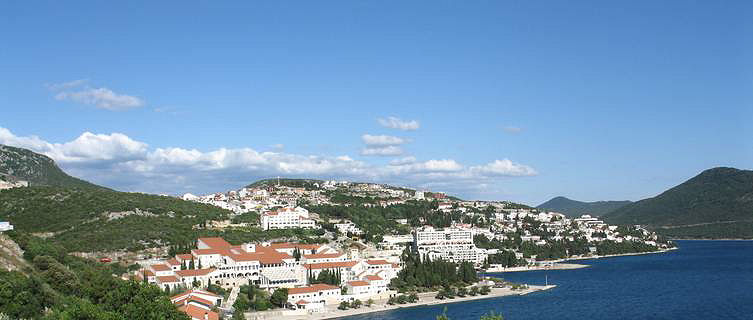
[296, 183]
[718, 203]
[37, 169]
[574, 208]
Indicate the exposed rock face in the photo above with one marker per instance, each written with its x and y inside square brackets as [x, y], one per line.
[11, 255]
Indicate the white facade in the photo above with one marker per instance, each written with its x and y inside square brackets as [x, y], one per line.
[287, 218]
[451, 244]
[5, 226]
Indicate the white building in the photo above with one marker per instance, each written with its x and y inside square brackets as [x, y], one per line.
[287, 218]
[346, 227]
[315, 297]
[450, 244]
[5, 226]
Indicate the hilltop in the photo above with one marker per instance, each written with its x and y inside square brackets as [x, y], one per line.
[574, 208]
[37, 169]
[717, 203]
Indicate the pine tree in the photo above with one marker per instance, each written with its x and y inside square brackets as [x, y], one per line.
[191, 265]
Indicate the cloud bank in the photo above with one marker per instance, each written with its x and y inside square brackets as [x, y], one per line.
[118, 161]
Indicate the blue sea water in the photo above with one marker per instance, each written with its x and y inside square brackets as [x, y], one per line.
[701, 280]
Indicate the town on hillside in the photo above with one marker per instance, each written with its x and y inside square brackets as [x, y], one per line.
[353, 265]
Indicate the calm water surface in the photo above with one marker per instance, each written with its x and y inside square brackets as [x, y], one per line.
[701, 280]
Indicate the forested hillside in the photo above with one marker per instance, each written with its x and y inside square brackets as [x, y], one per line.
[37, 169]
[715, 204]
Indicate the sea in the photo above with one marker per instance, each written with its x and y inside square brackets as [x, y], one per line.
[700, 280]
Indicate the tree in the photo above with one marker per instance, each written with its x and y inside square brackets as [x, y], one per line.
[356, 304]
[492, 316]
[343, 305]
[238, 315]
[297, 254]
[191, 265]
[369, 302]
[279, 297]
[443, 316]
[413, 297]
[484, 290]
[473, 291]
[462, 291]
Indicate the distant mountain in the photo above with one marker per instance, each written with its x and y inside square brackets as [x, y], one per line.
[37, 169]
[574, 208]
[718, 203]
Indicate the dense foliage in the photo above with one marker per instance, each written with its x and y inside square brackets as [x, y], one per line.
[38, 169]
[425, 273]
[716, 195]
[60, 286]
[574, 208]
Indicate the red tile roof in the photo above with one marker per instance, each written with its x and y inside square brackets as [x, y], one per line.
[198, 313]
[330, 265]
[183, 257]
[373, 277]
[312, 288]
[167, 279]
[160, 267]
[215, 243]
[194, 272]
[358, 283]
[377, 262]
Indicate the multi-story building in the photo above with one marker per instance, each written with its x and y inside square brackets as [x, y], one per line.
[287, 218]
[450, 244]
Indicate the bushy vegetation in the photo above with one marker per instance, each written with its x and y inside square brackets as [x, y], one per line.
[79, 219]
[734, 230]
[59, 286]
[715, 195]
[38, 169]
[427, 274]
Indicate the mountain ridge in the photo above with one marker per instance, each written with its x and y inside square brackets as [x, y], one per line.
[575, 208]
[718, 200]
[38, 169]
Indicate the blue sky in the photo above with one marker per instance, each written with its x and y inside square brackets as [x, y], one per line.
[501, 100]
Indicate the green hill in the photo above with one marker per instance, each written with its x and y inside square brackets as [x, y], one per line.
[718, 203]
[574, 208]
[37, 169]
[295, 183]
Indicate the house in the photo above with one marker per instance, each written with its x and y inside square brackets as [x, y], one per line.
[5, 226]
[287, 218]
[198, 304]
[314, 297]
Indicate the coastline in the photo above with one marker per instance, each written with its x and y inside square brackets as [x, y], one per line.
[425, 299]
[555, 266]
[561, 265]
[621, 254]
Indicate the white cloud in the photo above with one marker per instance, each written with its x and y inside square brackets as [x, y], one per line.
[382, 140]
[118, 161]
[386, 151]
[102, 98]
[504, 167]
[397, 123]
[512, 129]
[67, 85]
[403, 161]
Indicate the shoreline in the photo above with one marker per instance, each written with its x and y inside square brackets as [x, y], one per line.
[621, 254]
[555, 266]
[561, 265]
[425, 299]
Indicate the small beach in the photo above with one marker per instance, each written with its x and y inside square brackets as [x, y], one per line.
[425, 299]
